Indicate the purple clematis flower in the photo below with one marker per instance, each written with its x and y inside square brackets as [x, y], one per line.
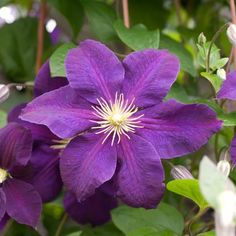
[119, 125]
[228, 91]
[18, 199]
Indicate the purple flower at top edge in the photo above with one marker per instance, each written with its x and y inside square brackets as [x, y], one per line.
[228, 91]
[119, 124]
[43, 168]
[18, 199]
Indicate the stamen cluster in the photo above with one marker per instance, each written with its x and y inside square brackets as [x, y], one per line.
[116, 118]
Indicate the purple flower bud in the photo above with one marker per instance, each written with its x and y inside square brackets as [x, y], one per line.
[4, 92]
[180, 172]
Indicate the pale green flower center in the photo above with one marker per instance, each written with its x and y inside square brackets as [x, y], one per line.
[3, 175]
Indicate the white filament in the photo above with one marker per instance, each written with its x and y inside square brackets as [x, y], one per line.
[116, 118]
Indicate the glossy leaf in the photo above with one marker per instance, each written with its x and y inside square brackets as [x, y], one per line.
[151, 231]
[213, 79]
[108, 229]
[101, 17]
[188, 188]
[18, 50]
[57, 60]
[164, 217]
[229, 119]
[3, 118]
[209, 233]
[186, 59]
[138, 37]
[72, 11]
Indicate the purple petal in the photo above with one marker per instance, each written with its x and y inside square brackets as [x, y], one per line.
[228, 89]
[233, 151]
[46, 174]
[22, 201]
[140, 176]
[94, 70]
[39, 132]
[95, 210]
[176, 129]
[3, 222]
[15, 145]
[64, 112]
[2, 204]
[149, 75]
[45, 83]
[86, 163]
[55, 35]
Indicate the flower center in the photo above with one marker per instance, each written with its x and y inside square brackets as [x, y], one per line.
[116, 118]
[3, 175]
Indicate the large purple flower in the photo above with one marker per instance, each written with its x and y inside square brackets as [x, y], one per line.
[17, 198]
[228, 91]
[119, 125]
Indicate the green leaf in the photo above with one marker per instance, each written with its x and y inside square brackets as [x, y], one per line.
[229, 119]
[18, 49]
[138, 37]
[4, 2]
[209, 233]
[188, 188]
[151, 231]
[57, 60]
[220, 63]
[78, 233]
[165, 217]
[213, 79]
[212, 182]
[186, 59]
[108, 229]
[152, 13]
[3, 118]
[72, 11]
[101, 17]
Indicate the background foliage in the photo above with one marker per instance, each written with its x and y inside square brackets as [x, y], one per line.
[170, 24]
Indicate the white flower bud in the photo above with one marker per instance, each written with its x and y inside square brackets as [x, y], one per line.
[4, 92]
[221, 73]
[231, 33]
[224, 167]
[180, 172]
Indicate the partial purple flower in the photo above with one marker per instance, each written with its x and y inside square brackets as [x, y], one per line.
[43, 168]
[17, 198]
[117, 120]
[228, 91]
[94, 210]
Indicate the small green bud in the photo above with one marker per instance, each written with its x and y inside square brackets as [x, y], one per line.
[201, 39]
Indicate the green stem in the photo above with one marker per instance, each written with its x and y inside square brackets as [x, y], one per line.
[211, 45]
[194, 219]
[60, 226]
[216, 146]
